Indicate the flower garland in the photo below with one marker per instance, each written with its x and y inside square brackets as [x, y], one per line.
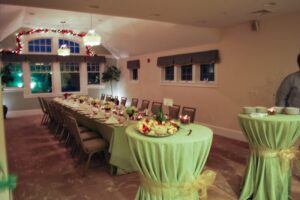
[19, 35]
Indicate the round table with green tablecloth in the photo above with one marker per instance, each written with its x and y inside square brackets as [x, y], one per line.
[170, 166]
[268, 173]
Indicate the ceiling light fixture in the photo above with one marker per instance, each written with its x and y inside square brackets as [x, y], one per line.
[91, 38]
[63, 50]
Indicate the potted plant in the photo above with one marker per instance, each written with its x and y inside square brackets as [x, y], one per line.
[5, 76]
[111, 73]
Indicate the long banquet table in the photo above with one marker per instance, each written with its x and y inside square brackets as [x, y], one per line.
[170, 167]
[268, 173]
[121, 159]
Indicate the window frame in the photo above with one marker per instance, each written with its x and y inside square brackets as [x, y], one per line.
[40, 52]
[100, 73]
[12, 89]
[52, 82]
[195, 82]
[74, 46]
[163, 74]
[66, 64]
[131, 75]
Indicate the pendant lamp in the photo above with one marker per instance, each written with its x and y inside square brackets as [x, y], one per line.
[92, 38]
[63, 50]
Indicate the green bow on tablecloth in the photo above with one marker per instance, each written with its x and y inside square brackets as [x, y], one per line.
[9, 182]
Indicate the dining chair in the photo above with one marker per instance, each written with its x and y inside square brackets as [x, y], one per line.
[174, 111]
[102, 97]
[108, 98]
[85, 132]
[123, 101]
[46, 111]
[43, 110]
[134, 102]
[145, 105]
[116, 100]
[156, 107]
[89, 147]
[189, 111]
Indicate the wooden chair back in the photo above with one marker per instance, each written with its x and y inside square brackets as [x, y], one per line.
[189, 111]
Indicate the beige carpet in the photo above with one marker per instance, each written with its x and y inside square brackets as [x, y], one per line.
[46, 170]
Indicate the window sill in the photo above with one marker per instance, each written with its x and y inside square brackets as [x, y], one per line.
[134, 81]
[51, 95]
[99, 86]
[190, 84]
[8, 90]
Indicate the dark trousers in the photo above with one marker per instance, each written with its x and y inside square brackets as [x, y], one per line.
[5, 111]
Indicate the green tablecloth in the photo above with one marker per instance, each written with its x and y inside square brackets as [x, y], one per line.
[266, 178]
[120, 155]
[175, 159]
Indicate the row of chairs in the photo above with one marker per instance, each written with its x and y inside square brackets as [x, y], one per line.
[81, 140]
[156, 106]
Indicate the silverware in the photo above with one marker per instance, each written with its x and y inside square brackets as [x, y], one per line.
[189, 130]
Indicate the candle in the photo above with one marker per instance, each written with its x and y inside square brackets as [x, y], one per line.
[184, 119]
[271, 111]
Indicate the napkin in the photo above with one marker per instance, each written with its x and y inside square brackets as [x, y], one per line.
[258, 115]
[100, 115]
[111, 120]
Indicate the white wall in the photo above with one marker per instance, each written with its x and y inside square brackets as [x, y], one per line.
[251, 68]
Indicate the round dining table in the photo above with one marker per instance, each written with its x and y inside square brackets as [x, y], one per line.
[170, 167]
[271, 139]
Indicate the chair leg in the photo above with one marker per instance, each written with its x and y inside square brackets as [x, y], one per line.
[61, 134]
[67, 140]
[87, 163]
[43, 119]
[79, 159]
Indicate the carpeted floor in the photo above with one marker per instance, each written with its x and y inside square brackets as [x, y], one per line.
[46, 171]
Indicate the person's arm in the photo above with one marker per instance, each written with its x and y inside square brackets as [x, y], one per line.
[283, 92]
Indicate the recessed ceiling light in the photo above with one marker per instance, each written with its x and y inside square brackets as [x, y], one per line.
[94, 6]
[270, 4]
[155, 15]
[201, 21]
[261, 12]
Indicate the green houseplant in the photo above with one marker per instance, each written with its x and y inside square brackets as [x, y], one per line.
[111, 73]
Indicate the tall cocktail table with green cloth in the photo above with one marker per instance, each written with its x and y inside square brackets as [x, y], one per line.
[169, 167]
[120, 155]
[268, 173]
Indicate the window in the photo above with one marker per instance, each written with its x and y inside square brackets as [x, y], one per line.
[169, 73]
[187, 72]
[70, 77]
[207, 72]
[93, 73]
[134, 74]
[40, 45]
[74, 46]
[41, 78]
[16, 75]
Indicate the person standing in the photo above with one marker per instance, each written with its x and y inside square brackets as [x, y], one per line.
[288, 93]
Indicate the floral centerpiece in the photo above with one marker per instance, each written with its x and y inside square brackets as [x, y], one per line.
[82, 99]
[131, 110]
[108, 105]
[152, 127]
[73, 97]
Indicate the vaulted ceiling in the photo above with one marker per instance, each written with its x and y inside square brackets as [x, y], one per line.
[133, 27]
